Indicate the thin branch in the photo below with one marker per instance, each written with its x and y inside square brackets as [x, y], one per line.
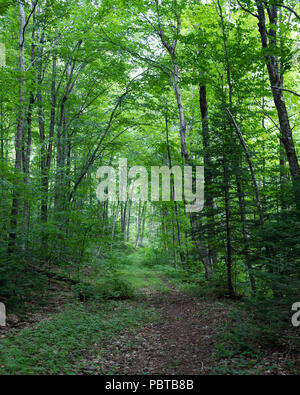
[290, 9]
[54, 41]
[178, 29]
[168, 47]
[93, 156]
[165, 69]
[246, 9]
[251, 167]
[266, 114]
[286, 90]
[151, 24]
[85, 105]
[68, 63]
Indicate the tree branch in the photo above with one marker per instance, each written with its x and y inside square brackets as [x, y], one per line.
[251, 167]
[246, 9]
[96, 150]
[27, 21]
[286, 90]
[290, 9]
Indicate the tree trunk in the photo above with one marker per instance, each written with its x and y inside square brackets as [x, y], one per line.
[228, 231]
[115, 216]
[209, 201]
[184, 151]
[268, 40]
[128, 220]
[245, 236]
[143, 223]
[19, 135]
[138, 225]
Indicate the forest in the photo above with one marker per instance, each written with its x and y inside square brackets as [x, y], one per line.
[137, 282]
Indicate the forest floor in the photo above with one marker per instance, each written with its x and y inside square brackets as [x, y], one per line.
[163, 329]
[181, 342]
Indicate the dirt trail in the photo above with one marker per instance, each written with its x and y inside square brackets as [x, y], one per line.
[181, 343]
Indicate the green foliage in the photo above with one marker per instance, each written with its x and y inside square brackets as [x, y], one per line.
[126, 273]
[17, 284]
[98, 85]
[152, 257]
[113, 287]
[63, 344]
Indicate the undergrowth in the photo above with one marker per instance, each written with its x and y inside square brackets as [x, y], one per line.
[63, 345]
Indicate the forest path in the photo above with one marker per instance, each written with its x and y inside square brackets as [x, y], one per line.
[162, 330]
[182, 342]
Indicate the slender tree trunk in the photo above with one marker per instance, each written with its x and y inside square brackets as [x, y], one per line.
[115, 217]
[27, 144]
[26, 169]
[123, 218]
[181, 252]
[138, 225]
[174, 244]
[174, 75]
[245, 236]
[46, 164]
[269, 44]
[128, 220]
[164, 230]
[200, 245]
[143, 223]
[19, 135]
[105, 215]
[184, 150]
[228, 231]
[60, 158]
[283, 177]
[41, 118]
[209, 201]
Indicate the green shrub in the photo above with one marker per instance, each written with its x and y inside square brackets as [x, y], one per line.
[112, 288]
[115, 287]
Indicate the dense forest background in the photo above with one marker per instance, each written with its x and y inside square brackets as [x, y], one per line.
[161, 83]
